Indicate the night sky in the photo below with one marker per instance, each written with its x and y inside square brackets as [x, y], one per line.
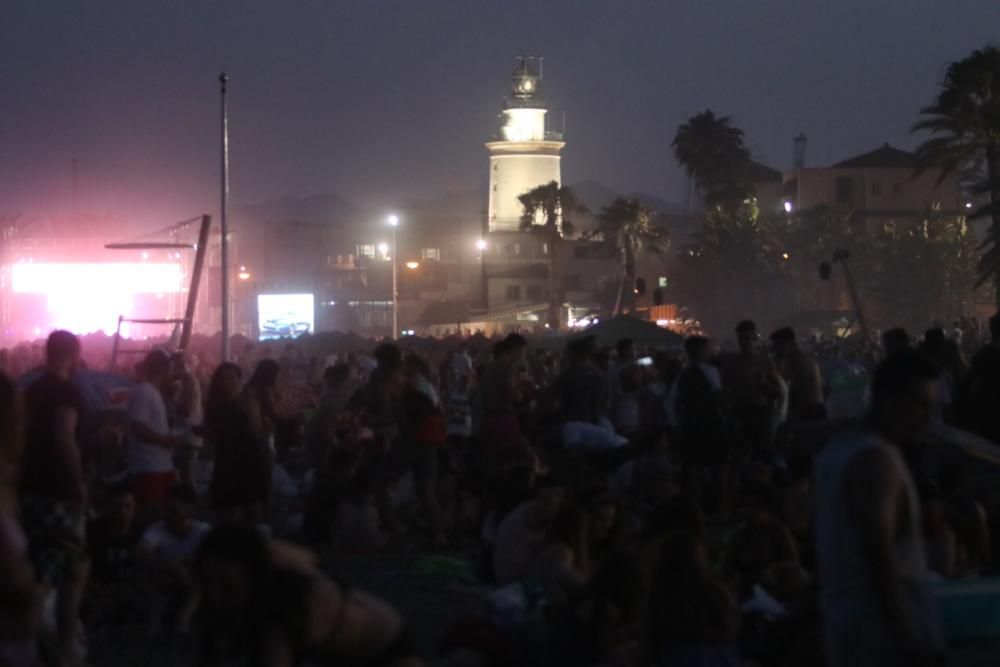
[377, 101]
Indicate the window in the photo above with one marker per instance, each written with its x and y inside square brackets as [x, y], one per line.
[571, 282]
[845, 190]
[513, 292]
[496, 166]
[535, 293]
[431, 254]
[517, 248]
[661, 281]
[897, 188]
[366, 251]
[508, 249]
[494, 187]
[876, 189]
[545, 248]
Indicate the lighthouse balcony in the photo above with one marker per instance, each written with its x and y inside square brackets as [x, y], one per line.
[548, 136]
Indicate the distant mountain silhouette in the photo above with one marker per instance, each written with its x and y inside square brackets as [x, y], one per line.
[595, 196]
[467, 206]
[313, 209]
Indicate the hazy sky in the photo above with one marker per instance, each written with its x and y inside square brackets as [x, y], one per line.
[379, 100]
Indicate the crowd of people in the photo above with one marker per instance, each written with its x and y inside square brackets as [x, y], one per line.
[622, 506]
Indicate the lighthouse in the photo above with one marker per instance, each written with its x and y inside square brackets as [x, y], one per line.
[524, 154]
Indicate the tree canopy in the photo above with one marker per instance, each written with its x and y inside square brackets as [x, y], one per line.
[628, 229]
[765, 266]
[549, 210]
[963, 124]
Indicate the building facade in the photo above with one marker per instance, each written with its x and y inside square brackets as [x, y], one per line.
[878, 186]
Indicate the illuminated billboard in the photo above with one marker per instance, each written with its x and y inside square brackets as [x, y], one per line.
[285, 315]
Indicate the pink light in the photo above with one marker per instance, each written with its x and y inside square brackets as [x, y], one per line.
[97, 313]
[92, 279]
[85, 298]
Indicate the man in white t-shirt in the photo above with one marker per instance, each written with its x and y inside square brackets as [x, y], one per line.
[173, 540]
[166, 551]
[150, 444]
[875, 597]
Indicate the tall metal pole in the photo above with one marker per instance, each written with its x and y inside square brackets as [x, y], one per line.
[856, 300]
[192, 298]
[223, 222]
[395, 289]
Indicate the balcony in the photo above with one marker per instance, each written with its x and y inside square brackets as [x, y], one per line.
[342, 262]
[550, 135]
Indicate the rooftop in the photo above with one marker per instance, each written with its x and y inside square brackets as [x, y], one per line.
[761, 173]
[885, 157]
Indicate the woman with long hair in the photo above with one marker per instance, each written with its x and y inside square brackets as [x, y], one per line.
[691, 618]
[259, 397]
[266, 603]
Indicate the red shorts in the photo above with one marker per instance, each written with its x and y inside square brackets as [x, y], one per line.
[501, 432]
[150, 488]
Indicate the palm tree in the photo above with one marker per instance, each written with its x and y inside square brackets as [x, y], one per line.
[547, 210]
[713, 154]
[964, 127]
[628, 229]
[734, 267]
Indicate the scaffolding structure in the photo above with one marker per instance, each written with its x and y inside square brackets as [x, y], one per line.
[174, 233]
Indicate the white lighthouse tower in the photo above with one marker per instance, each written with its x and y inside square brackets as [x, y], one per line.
[524, 155]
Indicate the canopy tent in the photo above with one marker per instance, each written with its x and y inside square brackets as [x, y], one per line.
[643, 332]
[105, 398]
[99, 390]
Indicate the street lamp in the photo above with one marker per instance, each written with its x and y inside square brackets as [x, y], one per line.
[393, 221]
[481, 246]
[413, 266]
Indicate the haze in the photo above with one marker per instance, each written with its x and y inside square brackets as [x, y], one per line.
[379, 101]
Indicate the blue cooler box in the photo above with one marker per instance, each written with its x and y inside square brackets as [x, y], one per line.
[969, 608]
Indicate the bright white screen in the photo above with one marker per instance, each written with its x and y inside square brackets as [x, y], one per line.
[89, 297]
[285, 315]
[92, 279]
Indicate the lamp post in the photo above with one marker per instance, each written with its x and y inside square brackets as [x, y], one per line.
[481, 246]
[223, 222]
[394, 223]
[241, 307]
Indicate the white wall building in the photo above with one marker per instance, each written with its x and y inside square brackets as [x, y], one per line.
[524, 154]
